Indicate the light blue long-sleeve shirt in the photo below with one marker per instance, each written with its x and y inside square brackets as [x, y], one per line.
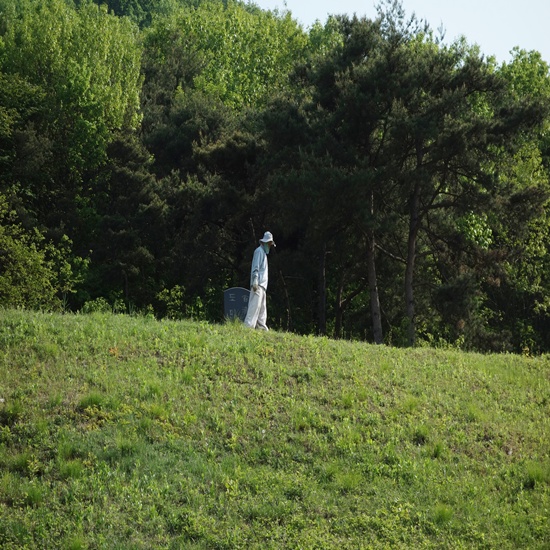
[258, 271]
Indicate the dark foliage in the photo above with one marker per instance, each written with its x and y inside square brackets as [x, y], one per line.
[406, 182]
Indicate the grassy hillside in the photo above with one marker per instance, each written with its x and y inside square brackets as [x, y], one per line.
[129, 433]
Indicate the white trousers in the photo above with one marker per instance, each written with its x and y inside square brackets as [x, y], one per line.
[256, 316]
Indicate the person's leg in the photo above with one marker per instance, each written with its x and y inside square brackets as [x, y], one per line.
[262, 312]
[254, 302]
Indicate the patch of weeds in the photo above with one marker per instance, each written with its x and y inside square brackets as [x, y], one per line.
[11, 413]
[420, 435]
[304, 418]
[21, 463]
[410, 404]
[390, 457]
[75, 542]
[95, 418]
[437, 450]
[187, 375]
[127, 446]
[17, 492]
[46, 351]
[41, 429]
[371, 419]
[16, 531]
[158, 412]
[442, 514]
[348, 398]
[348, 481]
[188, 524]
[67, 449]
[536, 473]
[9, 488]
[296, 491]
[348, 439]
[4, 459]
[151, 391]
[33, 495]
[71, 469]
[302, 376]
[474, 413]
[6, 435]
[328, 470]
[122, 451]
[273, 510]
[144, 425]
[55, 400]
[91, 401]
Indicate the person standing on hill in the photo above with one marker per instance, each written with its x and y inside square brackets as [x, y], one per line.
[256, 315]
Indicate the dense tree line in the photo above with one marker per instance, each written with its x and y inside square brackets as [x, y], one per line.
[145, 147]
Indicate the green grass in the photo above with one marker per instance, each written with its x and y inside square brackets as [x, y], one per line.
[129, 433]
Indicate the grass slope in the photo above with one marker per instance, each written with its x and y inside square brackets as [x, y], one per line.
[129, 433]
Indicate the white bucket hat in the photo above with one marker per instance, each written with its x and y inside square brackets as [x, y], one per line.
[267, 238]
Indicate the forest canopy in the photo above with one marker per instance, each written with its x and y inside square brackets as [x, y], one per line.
[146, 146]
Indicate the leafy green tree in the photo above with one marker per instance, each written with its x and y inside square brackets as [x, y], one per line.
[521, 231]
[344, 130]
[208, 69]
[452, 119]
[125, 229]
[245, 54]
[493, 278]
[140, 11]
[415, 130]
[27, 276]
[70, 77]
[85, 64]
[20, 102]
[210, 217]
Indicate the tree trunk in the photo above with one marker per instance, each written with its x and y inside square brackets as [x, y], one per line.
[343, 303]
[373, 288]
[339, 310]
[411, 257]
[322, 290]
[376, 317]
[287, 298]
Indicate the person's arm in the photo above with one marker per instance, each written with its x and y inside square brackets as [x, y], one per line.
[255, 271]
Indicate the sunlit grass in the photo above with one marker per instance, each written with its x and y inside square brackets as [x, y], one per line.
[133, 433]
